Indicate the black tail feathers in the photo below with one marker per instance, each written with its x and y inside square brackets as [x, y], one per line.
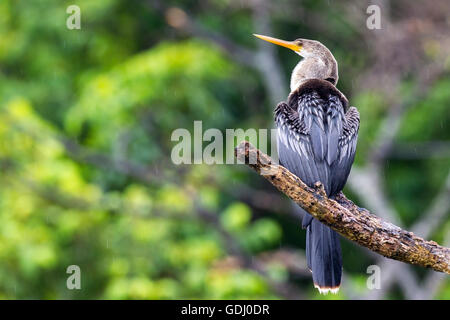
[324, 256]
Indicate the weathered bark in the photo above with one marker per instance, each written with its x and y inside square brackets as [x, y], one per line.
[342, 215]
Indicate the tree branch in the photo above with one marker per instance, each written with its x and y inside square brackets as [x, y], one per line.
[354, 223]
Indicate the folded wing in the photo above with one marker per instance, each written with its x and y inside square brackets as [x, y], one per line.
[317, 140]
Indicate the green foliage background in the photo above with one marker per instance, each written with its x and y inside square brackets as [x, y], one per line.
[118, 88]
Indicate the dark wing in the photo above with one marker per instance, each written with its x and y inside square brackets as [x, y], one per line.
[316, 140]
[347, 149]
[297, 129]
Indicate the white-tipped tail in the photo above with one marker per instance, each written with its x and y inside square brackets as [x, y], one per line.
[325, 290]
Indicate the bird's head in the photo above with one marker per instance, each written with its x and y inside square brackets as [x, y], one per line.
[318, 62]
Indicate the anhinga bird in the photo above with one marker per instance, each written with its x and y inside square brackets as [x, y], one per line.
[317, 134]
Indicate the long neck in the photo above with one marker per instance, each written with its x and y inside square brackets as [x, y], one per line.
[314, 68]
[297, 76]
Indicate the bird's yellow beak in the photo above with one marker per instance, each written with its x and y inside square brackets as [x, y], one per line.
[288, 44]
